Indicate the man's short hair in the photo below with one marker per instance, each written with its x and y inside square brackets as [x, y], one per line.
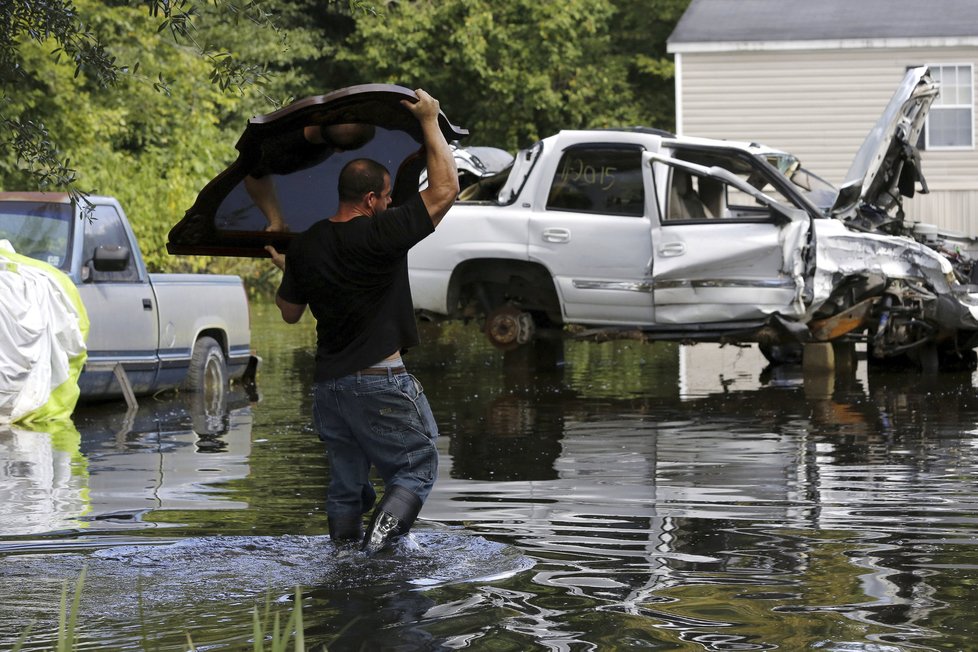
[359, 177]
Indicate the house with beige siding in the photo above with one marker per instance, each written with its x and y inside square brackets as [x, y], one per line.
[812, 77]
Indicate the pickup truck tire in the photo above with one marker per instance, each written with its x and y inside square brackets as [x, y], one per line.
[209, 412]
[208, 372]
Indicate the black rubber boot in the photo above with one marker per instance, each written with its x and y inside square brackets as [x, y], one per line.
[393, 517]
[367, 498]
[345, 529]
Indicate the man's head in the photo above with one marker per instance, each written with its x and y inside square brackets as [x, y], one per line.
[367, 181]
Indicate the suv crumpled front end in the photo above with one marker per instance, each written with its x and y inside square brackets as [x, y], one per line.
[868, 275]
[875, 272]
[901, 295]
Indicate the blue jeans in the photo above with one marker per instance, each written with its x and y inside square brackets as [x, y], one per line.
[380, 420]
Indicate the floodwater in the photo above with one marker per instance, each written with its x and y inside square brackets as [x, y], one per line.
[608, 496]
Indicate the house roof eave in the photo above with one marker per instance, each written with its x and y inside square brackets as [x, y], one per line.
[825, 44]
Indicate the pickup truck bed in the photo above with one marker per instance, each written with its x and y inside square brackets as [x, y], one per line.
[125, 317]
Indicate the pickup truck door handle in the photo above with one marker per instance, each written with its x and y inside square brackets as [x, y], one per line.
[672, 249]
[147, 304]
[556, 235]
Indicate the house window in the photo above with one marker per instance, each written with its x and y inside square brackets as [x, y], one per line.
[950, 123]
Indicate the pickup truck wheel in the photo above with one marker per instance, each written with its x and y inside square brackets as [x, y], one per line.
[208, 372]
[508, 327]
[209, 410]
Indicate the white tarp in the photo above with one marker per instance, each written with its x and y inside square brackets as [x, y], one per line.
[43, 326]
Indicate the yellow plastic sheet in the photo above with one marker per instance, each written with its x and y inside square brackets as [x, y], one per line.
[43, 329]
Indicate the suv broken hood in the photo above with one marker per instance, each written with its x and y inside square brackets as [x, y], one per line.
[888, 163]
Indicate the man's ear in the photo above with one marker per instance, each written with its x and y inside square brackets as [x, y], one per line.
[370, 199]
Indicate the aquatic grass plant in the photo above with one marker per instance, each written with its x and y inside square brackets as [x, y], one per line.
[20, 641]
[266, 624]
[279, 638]
[67, 619]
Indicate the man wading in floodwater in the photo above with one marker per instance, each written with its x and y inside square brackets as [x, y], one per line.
[351, 269]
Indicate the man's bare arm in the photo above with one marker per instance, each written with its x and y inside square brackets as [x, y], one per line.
[443, 186]
[291, 312]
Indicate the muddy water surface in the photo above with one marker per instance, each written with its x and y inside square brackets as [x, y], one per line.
[603, 496]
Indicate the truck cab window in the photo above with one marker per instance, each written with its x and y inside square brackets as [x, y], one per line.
[604, 180]
[40, 230]
[106, 228]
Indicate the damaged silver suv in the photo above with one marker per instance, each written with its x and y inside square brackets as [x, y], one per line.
[637, 232]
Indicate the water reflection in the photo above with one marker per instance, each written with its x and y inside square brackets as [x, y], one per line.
[43, 480]
[111, 466]
[733, 493]
[669, 497]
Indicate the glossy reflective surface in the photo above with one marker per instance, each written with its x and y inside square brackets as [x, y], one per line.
[285, 175]
[633, 496]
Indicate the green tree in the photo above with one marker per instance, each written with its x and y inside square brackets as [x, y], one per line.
[641, 30]
[74, 36]
[151, 132]
[512, 71]
[151, 149]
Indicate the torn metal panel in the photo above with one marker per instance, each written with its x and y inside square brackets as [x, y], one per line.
[842, 323]
[719, 268]
[888, 164]
[842, 253]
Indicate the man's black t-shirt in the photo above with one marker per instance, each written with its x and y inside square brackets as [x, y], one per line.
[354, 277]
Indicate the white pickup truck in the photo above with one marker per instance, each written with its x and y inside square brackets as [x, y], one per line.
[163, 331]
[683, 238]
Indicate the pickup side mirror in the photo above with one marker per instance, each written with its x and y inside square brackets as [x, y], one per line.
[111, 258]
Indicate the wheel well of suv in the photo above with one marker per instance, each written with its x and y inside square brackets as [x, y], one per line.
[479, 286]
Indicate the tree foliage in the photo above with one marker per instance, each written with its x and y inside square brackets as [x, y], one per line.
[518, 70]
[144, 99]
[152, 131]
[73, 37]
[510, 71]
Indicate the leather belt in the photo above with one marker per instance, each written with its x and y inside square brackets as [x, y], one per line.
[381, 371]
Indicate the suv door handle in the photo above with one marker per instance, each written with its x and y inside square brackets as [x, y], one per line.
[672, 249]
[556, 235]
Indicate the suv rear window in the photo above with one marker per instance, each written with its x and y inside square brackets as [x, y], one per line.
[605, 179]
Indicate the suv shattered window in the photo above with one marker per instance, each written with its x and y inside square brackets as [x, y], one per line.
[819, 191]
[518, 174]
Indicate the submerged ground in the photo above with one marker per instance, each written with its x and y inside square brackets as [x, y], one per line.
[603, 496]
